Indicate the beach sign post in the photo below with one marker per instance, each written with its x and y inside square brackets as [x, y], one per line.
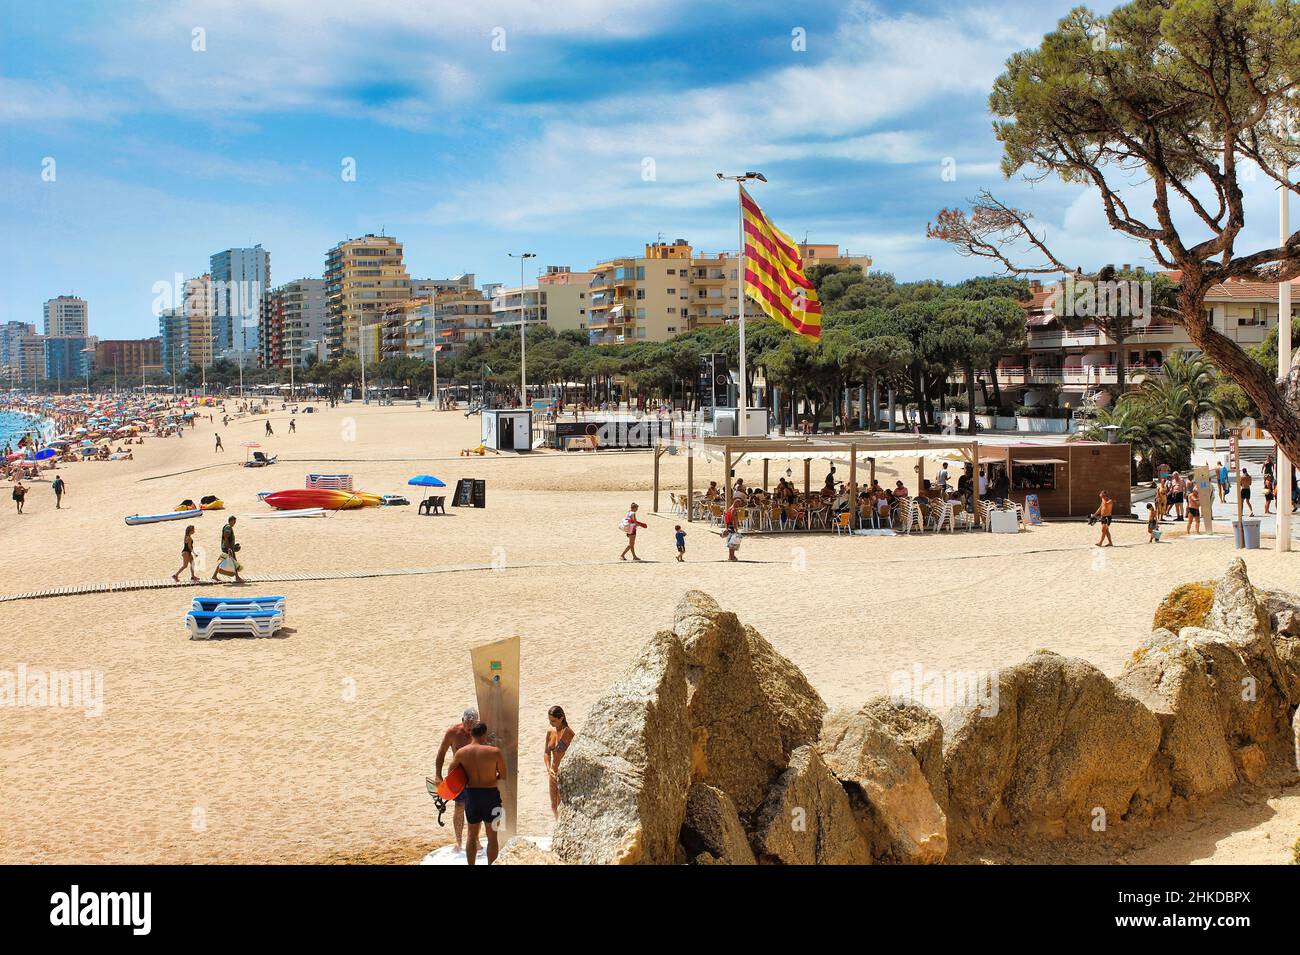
[496, 688]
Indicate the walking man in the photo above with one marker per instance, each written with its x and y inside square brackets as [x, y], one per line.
[293, 425]
[229, 548]
[1243, 488]
[1103, 513]
[269, 431]
[220, 446]
[59, 486]
[485, 768]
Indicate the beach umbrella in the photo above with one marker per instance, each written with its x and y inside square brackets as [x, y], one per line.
[249, 445]
[43, 454]
[426, 480]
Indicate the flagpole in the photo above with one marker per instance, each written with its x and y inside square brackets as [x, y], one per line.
[742, 413]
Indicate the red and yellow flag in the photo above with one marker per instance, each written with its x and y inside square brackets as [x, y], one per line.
[774, 275]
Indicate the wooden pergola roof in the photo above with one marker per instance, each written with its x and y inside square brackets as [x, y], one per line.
[732, 449]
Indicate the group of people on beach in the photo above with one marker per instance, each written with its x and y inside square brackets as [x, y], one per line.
[229, 552]
[484, 765]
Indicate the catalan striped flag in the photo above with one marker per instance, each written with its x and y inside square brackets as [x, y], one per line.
[774, 275]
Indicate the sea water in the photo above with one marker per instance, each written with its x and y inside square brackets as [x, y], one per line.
[14, 424]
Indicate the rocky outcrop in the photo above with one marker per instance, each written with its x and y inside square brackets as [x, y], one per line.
[1284, 620]
[735, 732]
[521, 851]
[713, 748]
[713, 828]
[1063, 744]
[624, 782]
[806, 818]
[887, 788]
[1171, 679]
[798, 707]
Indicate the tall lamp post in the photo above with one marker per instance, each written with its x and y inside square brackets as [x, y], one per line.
[523, 324]
[86, 363]
[1283, 536]
[742, 413]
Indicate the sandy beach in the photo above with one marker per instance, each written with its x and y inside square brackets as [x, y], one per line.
[314, 746]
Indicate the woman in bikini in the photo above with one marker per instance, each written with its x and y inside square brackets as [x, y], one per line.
[558, 738]
[187, 555]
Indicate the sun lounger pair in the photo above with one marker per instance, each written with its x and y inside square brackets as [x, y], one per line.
[221, 616]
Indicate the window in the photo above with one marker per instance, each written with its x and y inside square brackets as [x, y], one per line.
[672, 329]
[672, 291]
[640, 333]
[640, 294]
[1034, 477]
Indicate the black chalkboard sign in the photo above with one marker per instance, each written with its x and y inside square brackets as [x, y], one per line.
[470, 492]
[464, 493]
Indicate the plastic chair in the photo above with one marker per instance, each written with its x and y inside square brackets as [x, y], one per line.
[843, 523]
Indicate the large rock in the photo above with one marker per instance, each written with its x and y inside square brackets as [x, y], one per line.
[921, 731]
[1062, 743]
[806, 818]
[712, 828]
[1245, 680]
[738, 735]
[887, 788]
[799, 708]
[1284, 618]
[1170, 678]
[521, 851]
[624, 782]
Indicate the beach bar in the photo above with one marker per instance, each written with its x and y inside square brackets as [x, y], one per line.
[1067, 478]
[853, 449]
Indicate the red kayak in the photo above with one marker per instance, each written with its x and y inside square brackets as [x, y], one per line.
[300, 498]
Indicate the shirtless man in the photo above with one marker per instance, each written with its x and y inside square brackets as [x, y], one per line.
[1104, 513]
[485, 767]
[457, 736]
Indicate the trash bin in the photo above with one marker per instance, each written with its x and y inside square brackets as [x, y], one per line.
[1249, 527]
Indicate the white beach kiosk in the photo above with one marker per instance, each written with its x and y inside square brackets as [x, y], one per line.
[508, 429]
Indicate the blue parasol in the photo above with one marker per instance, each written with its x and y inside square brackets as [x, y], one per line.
[426, 480]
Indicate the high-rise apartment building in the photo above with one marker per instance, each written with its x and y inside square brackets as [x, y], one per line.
[364, 278]
[67, 315]
[240, 280]
[31, 359]
[199, 305]
[173, 339]
[293, 324]
[68, 357]
[11, 336]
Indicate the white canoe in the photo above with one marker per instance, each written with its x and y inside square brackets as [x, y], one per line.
[301, 512]
[156, 518]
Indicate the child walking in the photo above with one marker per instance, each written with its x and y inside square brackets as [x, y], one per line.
[681, 542]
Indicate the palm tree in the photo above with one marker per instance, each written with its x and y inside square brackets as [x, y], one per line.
[1187, 387]
[1148, 427]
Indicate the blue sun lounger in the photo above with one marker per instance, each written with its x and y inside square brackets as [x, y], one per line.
[205, 624]
[237, 603]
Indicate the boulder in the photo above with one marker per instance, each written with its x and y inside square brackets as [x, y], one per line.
[1171, 680]
[1063, 742]
[888, 791]
[1244, 675]
[713, 829]
[737, 737]
[1237, 609]
[1284, 618]
[806, 818]
[521, 851]
[623, 783]
[799, 708]
[1184, 606]
[921, 731]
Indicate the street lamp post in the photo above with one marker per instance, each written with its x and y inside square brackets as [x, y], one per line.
[742, 413]
[86, 363]
[523, 324]
[1283, 475]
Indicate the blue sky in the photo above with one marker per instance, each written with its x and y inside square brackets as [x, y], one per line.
[164, 154]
